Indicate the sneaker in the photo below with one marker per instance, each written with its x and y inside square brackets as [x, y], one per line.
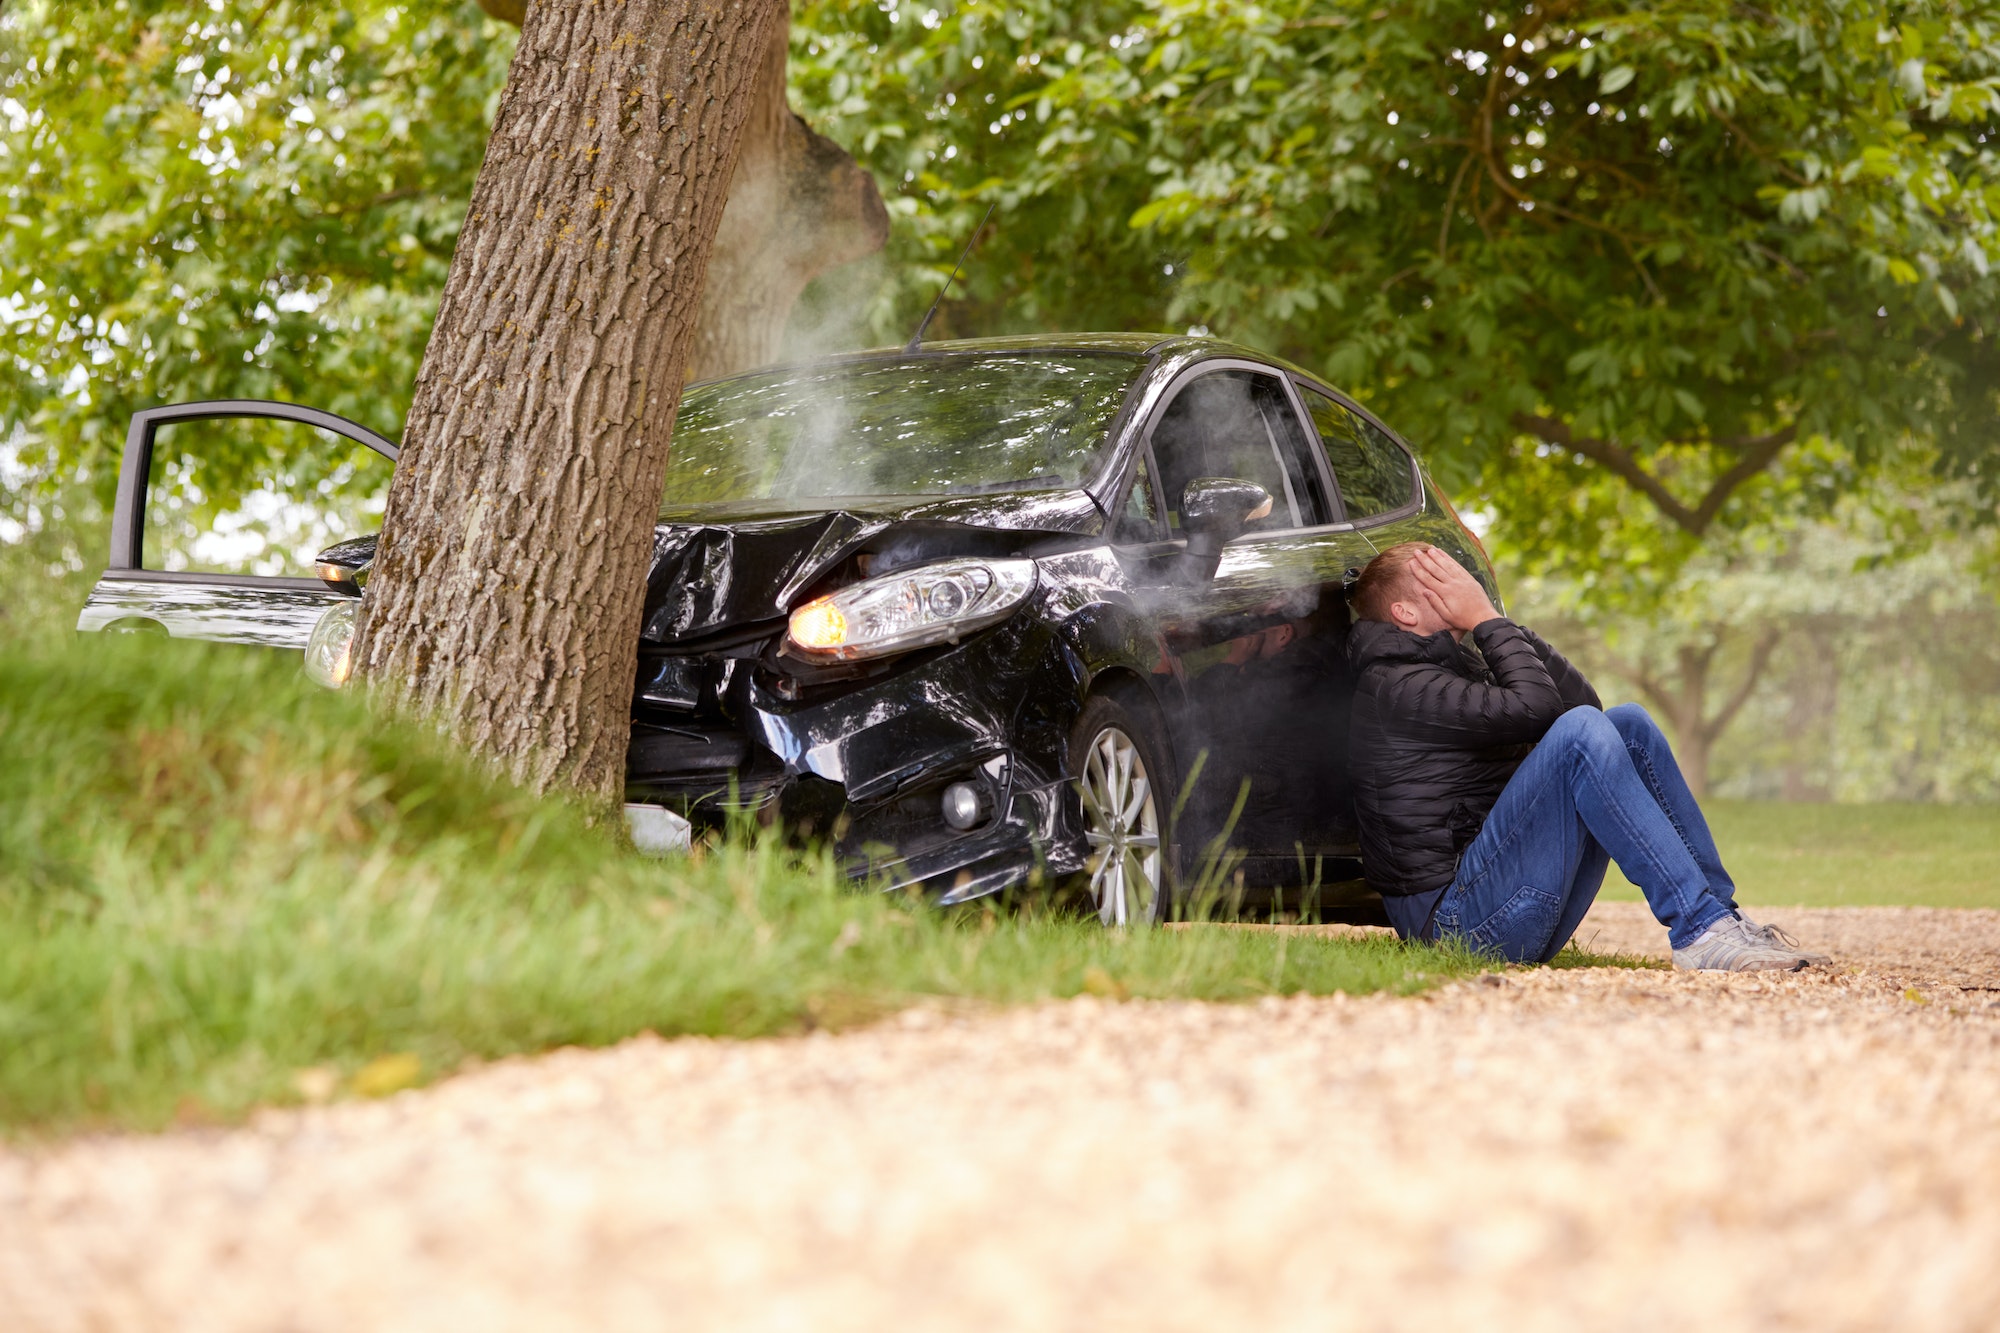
[1780, 938]
[1734, 945]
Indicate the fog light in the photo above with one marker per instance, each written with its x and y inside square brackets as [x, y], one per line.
[964, 805]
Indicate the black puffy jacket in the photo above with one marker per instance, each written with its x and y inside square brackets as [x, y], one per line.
[1437, 731]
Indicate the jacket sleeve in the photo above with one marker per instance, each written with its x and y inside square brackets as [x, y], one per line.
[1574, 687]
[1442, 705]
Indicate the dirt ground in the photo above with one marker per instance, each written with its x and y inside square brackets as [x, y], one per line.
[1598, 1149]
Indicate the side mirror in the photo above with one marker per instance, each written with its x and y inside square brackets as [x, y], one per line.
[344, 566]
[1215, 510]
[341, 578]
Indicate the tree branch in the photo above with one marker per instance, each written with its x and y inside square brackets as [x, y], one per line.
[1760, 657]
[1451, 205]
[388, 197]
[1656, 692]
[1757, 452]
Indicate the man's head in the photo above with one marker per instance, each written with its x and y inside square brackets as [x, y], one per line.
[1388, 591]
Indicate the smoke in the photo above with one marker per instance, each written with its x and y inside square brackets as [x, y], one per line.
[934, 426]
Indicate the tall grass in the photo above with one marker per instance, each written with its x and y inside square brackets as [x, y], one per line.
[220, 886]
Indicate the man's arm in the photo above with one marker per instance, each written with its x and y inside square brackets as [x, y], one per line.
[1518, 708]
[1442, 705]
[1574, 687]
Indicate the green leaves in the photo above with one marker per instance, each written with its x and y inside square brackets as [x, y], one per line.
[1672, 229]
[227, 201]
[1669, 229]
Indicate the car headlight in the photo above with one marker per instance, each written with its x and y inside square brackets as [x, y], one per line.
[330, 650]
[933, 604]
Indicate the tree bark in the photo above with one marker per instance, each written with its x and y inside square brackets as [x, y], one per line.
[798, 206]
[506, 595]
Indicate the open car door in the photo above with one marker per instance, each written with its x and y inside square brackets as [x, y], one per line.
[222, 507]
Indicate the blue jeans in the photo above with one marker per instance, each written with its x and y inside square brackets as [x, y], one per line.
[1598, 787]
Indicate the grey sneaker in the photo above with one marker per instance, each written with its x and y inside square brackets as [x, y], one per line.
[1780, 938]
[1734, 945]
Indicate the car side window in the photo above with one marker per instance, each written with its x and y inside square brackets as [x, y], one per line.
[1371, 469]
[256, 496]
[1238, 423]
[1138, 519]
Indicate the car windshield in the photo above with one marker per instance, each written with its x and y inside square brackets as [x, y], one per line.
[954, 424]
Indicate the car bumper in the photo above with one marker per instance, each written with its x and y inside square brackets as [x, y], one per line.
[868, 767]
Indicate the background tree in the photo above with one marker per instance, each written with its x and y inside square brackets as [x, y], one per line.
[261, 201]
[1672, 245]
[507, 589]
[798, 207]
[256, 202]
[1852, 654]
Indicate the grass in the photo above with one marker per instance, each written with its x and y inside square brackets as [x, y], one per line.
[221, 886]
[1854, 855]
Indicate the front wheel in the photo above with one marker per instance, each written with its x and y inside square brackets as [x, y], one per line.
[1124, 776]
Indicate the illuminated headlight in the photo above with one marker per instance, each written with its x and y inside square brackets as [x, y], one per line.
[935, 604]
[330, 650]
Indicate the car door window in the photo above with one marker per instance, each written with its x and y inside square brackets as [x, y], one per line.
[1237, 423]
[1138, 518]
[256, 496]
[1371, 470]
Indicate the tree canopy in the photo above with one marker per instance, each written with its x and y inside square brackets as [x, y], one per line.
[1683, 247]
[1722, 259]
[205, 201]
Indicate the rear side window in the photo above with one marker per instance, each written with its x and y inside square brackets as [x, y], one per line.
[1371, 470]
[256, 496]
[1234, 423]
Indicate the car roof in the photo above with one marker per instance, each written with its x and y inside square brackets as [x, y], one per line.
[1177, 347]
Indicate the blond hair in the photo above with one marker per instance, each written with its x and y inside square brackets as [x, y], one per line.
[1384, 580]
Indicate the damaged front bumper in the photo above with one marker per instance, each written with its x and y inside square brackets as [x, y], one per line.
[866, 763]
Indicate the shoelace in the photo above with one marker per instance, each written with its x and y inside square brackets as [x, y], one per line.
[1779, 935]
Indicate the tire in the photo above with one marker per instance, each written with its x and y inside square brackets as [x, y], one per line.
[1123, 769]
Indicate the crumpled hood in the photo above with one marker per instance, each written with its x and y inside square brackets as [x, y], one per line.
[710, 574]
[730, 567]
[706, 577]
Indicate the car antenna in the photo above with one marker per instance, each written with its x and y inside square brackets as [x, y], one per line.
[917, 338]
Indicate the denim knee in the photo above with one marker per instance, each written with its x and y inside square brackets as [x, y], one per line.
[1634, 723]
[1585, 730]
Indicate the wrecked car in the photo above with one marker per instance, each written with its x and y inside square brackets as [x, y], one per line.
[1068, 609]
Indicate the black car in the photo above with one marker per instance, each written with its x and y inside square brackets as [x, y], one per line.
[1066, 608]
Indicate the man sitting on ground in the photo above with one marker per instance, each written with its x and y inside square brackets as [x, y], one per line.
[1492, 790]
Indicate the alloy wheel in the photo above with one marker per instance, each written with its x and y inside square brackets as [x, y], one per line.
[1122, 824]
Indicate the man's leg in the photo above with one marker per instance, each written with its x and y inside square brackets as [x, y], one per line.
[1661, 772]
[1583, 887]
[1518, 882]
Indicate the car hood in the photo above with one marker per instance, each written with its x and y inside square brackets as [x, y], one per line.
[722, 567]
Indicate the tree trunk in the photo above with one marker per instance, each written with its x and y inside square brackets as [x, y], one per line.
[1688, 717]
[798, 206]
[506, 595]
[1814, 690]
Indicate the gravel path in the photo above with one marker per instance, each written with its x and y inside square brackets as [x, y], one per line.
[1595, 1149]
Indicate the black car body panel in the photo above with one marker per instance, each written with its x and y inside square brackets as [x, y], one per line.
[1245, 664]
